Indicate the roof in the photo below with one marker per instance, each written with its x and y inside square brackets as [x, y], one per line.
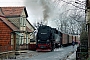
[31, 24]
[1, 14]
[9, 24]
[12, 26]
[13, 11]
[29, 30]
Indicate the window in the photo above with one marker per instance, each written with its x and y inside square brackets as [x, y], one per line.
[22, 21]
[12, 39]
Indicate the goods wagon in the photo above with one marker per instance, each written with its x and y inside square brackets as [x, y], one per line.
[77, 38]
[70, 39]
[65, 39]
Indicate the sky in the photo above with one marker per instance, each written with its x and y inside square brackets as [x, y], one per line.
[33, 16]
[12, 2]
[36, 11]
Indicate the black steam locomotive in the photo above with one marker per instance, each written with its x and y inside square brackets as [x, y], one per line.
[47, 38]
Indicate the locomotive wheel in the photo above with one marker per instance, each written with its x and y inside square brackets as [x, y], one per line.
[53, 47]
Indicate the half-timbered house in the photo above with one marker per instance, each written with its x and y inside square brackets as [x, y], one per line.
[16, 17]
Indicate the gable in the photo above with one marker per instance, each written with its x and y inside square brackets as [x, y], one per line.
[4, 26]
[9, 24]
[14, 11]
[28, 24]
[23, 13]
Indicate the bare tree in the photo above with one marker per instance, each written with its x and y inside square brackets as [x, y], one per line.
[76, 16]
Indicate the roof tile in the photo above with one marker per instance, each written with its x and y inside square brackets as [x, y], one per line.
[11, 11]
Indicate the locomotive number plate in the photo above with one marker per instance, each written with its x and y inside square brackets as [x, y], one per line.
[42, 46]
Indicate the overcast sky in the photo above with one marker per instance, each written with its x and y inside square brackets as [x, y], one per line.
[35, 13]
[11, 2]
[16, 3]
[34, 9]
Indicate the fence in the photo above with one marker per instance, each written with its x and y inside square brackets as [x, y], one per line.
[82, 52]
[6, 48]
[7, 52]
[82, 55]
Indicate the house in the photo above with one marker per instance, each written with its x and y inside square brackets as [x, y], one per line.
[6, 29]
[18, 17]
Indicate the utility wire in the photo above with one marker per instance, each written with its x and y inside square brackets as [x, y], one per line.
[73, 5]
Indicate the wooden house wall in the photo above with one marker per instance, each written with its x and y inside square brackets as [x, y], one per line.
[15, 21]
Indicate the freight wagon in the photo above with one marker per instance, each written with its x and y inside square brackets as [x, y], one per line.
[65, 39]
[76, 38]
[70, 39]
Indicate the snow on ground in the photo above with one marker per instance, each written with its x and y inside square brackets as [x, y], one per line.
[58, 49]
[72, 56]
[66, 53]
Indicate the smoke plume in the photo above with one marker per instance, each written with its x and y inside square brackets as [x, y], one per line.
[40, 10]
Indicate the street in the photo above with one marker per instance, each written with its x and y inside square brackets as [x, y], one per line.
[58, 54]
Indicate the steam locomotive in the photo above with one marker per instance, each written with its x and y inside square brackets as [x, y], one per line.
[47, 39]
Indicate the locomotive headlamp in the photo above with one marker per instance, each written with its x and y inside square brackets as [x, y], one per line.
[47, 40]
[38, 40]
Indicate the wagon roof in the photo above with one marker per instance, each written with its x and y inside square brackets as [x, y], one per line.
[29, 30]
